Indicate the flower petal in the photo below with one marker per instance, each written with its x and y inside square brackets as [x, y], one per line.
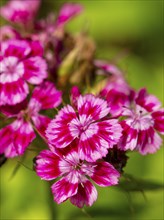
[92, 107]
[147, 101]
[67, 12]
[64, 189]
[58, 132]
[98, 138]
[16, 137]
[148, 141]
[47, 165]
[86, 195]
[47, 95]
[41, 123]
[129, 137]
[105, 174]
[13, 92]
[15, 48]
[158, 117]
[35, 70]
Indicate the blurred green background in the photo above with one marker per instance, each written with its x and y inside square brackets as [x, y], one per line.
[130, 34]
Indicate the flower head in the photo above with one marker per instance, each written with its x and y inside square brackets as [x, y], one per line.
[16, 136]
[88, 125]
[20, 12]
[20, 62]
[142, 122]
[75, 175]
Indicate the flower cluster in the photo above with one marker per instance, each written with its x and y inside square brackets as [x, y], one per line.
[39, 63]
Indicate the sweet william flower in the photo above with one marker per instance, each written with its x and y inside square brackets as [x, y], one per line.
[16, 136]
[95, 133]
[75, 175]
[21, 62]
[144, 120]
[116, 91]
[20, 12]
[8, 32]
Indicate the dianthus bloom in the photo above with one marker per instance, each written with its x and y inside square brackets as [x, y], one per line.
[8, 32]
[16, 136]
[116, 91]
[88, 123]
[21, 12]
[20, 62]
[143, 120]
[75, 175]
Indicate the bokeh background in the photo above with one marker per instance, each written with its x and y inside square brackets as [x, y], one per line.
[130, 34]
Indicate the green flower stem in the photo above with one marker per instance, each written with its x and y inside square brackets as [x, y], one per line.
[52, 205]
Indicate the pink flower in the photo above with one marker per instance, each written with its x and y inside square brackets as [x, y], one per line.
[16, 136]
[7, 32]
[88, 125]
[21, 12]
[20, 61]
[118, 94]
[75, 174]
[67, 12]
[144, 118]
[107, 68]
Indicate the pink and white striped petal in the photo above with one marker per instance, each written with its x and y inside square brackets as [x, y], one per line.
[47, 165]
[47, 95]
[64, 189]
[15, 48]
[147, 101]
[105, 174]
[58, 129]
[86, 195]
[148, 141]
[158, 117]
[16, 137]
[13, 92]
[98, 138]
[41, 122]
[35, 70]
[92, 107]
[129, 136]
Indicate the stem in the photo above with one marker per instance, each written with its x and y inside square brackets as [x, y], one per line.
[52, 205]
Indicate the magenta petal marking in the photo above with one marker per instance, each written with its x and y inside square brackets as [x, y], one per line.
[58, 132]
[19, 11]
[63, 190]
[129, 137]
[98, 138]
[41, 122]
[86, 195]
[35, 70]
[47, 95]
[16, 137]
[158, 117]
[47, 165]
[147, 101]
[92, 107]
[15, 48]
[105, 174]
[13, 93]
